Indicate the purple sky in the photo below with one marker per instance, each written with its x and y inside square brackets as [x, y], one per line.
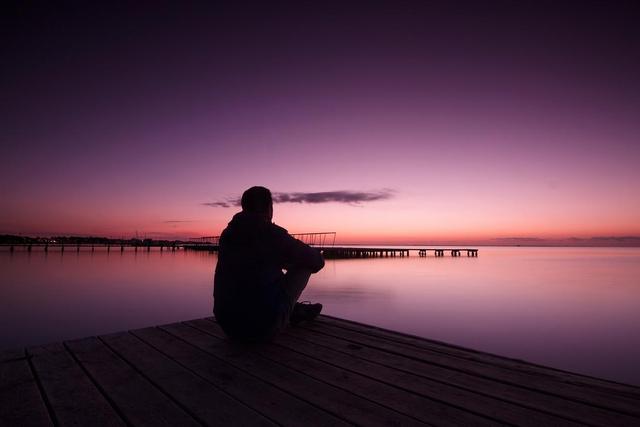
[477, 121]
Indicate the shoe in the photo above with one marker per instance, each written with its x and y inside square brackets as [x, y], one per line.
[304, 311]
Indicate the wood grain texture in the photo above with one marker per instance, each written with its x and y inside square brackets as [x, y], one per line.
[206, 402]
[141, 403]
[339, 402]
[21, 403]
[74, 399]
[330, 372]
[283, 408]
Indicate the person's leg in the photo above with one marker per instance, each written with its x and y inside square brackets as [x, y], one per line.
[293, 283]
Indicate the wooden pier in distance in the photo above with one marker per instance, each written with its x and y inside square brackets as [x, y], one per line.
[329, 252]
[343, 252]
[325, 241]
[76, 247]
[361, 252]
[326, 372]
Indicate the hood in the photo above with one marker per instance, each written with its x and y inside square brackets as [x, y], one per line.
[247, 223]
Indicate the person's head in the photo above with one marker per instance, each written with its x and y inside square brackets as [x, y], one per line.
[257, 200]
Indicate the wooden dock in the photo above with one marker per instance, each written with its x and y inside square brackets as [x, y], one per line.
[383, 252]
[76, 247]
[340, 252]
[325, 241]
[327, 372]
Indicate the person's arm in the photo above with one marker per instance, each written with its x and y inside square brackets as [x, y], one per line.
[297, 253]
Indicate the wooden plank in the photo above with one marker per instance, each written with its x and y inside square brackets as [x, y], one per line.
[529, 398]
[339, 402]
[206, 402]
[279, 406]
[72, 396]
[609, 387]
[493, 408]
[11, 354]
[21, 403]
[361, 377]
[139, 402]
[480, 404]
[586, 395]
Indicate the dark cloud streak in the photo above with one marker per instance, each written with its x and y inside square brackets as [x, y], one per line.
[341, 196]
[349, 197]
[595, 241]
[228, 204]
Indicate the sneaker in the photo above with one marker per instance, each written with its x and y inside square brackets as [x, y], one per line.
[304, 311]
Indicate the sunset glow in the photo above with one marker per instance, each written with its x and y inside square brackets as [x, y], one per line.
[482, 126]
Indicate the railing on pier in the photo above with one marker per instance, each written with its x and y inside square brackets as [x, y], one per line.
[319, 240]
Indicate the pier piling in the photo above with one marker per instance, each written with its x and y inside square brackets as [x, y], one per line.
[358, 252]
[330, 252]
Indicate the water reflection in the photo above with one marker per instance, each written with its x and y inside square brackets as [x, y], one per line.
[571, 308]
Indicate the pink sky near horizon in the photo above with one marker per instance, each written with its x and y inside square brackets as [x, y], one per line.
[474, 137]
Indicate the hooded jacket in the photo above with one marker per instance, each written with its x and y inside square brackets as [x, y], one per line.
[247, 283]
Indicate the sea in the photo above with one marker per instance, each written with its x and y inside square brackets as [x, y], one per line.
[576, 309]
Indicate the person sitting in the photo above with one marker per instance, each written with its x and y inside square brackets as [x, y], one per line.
[253, 298]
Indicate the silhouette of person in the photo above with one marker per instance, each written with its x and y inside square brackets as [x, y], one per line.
[253, 298]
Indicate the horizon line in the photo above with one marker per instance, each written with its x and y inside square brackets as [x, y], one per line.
[593, 241]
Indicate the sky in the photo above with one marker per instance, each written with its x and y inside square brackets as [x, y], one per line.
[386, 122]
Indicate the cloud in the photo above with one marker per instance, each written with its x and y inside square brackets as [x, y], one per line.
[595, 241]
[343, 196]
[518, 239]
[616, 239]
[340, 196]
[176, 221]
[227, 204]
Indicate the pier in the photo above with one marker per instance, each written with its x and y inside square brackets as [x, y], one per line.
[325, 241]
[329, 252]
[343, 252]
[76, 247]
[326, 372]
[365, 252]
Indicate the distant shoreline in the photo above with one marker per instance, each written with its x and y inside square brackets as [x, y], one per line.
[593, 242]
[9, 239]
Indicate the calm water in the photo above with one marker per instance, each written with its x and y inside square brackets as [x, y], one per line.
[570, 308]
